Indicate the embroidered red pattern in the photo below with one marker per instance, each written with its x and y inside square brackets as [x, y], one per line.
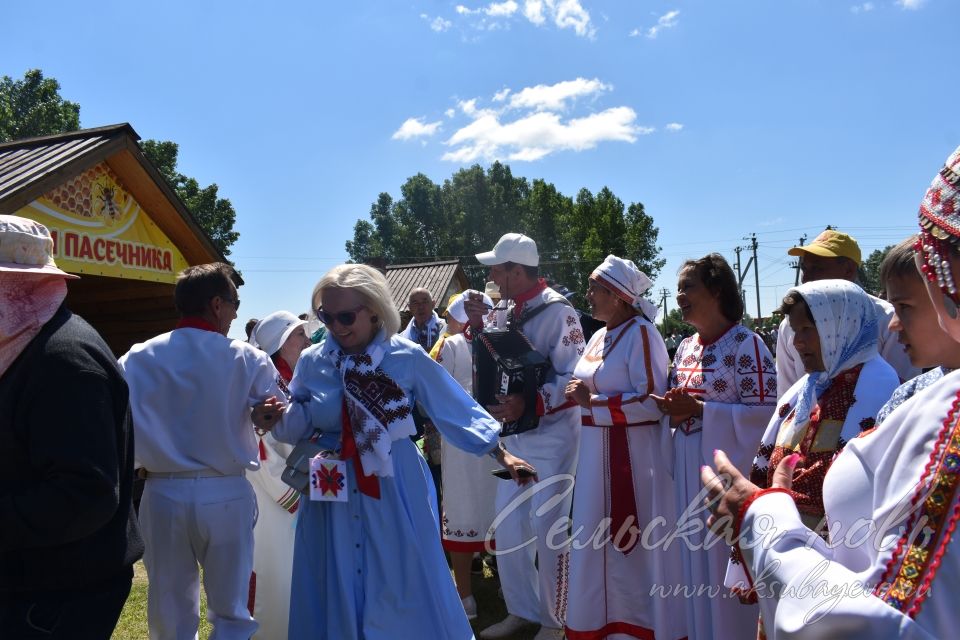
[912, 567]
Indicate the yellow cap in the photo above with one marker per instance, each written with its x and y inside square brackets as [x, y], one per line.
[831, 244]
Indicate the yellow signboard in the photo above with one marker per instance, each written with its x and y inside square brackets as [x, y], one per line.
[99, 229]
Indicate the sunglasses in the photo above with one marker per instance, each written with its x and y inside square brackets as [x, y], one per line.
[234, 301]
[345, 318]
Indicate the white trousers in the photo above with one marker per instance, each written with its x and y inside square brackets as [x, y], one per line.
[531, 527]
[205, 521]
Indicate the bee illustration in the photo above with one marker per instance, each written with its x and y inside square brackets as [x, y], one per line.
[108, 206]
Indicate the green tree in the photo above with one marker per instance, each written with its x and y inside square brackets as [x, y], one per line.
[474, 207]
[673, 323]
[870, 271]
[33, 107]
[214, 214]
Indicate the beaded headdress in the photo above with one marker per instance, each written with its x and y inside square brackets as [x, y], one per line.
[940, 228]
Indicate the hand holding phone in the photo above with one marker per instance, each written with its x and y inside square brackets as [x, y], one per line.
[523, 472]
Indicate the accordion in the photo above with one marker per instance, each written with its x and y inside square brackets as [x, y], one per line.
[504, 362]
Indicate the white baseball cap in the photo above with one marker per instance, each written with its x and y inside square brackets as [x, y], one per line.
[512, 247]
[270, 333]
[456, 308]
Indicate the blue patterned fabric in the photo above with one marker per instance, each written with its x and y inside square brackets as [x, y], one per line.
[909, 389]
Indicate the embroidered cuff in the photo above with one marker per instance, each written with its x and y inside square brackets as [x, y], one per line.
[738, 523]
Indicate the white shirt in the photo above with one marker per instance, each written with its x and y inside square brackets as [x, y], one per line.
[815, 590]
[790, 367]
[191, 392]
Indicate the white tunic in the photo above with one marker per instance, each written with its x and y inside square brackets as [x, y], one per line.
[469, 490]
[623, 466]
[790, 368]
[552, 449]
[191, 392]
[882, 485]
[735, 378]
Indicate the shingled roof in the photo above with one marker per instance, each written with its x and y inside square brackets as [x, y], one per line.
[441, 278]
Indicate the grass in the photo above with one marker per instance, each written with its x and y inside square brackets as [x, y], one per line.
[133, 619]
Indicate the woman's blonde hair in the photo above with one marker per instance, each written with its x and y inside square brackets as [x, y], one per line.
[372, 287]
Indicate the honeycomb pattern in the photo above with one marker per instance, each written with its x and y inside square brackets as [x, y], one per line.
[94, 193]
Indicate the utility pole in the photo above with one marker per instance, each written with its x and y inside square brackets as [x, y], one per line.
[737, 250]
[664, 293]
[796, 265]
[756, 271]
[741, 274]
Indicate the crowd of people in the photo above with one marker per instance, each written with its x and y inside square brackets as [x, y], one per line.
[681, 488]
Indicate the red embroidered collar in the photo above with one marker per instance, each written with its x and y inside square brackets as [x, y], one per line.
[529, 294]
[196, 322]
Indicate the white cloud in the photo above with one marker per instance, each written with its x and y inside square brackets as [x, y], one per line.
[564, 14]
[501, 9]
[554, 97]
[533, 11]
[910, 4]
[501, 95]
[666, 21]
[674, 127]
[537, 135]
[438, 24]
[862, 8]
[569, 13]
[635, 33]
[450, 113]
[415, 128]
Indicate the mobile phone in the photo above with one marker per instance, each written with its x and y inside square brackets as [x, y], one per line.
[523, 472]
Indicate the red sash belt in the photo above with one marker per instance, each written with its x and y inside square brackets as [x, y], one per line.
[623, 501]
[368, 485]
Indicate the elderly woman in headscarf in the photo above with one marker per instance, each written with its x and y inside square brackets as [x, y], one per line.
[846, 383]
[891, 497]
[624, 480]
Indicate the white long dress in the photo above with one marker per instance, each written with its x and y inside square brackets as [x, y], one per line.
[735, 378]
[892, 567]
[469, 490]
[623, 471]
[273, 540]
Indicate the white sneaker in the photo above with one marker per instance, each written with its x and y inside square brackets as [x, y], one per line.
[549, 633]
[469, 607]
[505, 628]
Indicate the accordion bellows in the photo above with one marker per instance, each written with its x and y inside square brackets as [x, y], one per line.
[505, 362]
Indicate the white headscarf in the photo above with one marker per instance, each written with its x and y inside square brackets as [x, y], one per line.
[628, 283]
[846, 320]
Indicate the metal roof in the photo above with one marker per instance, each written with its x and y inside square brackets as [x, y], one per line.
[433, 276]
[31, 166]
[25, 163]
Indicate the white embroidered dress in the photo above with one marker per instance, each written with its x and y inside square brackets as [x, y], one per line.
[735, 378]
[469, 490]
[623, 470]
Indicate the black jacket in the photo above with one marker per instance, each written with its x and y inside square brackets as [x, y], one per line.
[66, 468]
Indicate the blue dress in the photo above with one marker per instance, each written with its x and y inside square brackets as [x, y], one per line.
[374, 568]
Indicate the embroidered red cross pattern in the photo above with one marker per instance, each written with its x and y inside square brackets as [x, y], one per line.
[328, 480]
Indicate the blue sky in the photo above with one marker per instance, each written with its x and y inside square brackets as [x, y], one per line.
[722, 118]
